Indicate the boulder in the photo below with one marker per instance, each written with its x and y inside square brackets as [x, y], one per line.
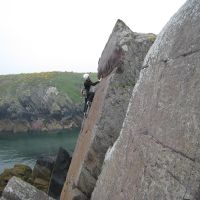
[119, 66]
[157, 153]
[17, 189]
[59, 173]
[21, 171]
[42, 172]
[41, 184]
[46, 161]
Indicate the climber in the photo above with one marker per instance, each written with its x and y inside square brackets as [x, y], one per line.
[88, 91]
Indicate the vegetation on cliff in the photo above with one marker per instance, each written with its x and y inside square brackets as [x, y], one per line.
[67, 82]
[43, 101]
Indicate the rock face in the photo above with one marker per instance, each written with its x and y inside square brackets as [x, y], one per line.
[157, 153]
[121, 43]
[17, 189]
[59, 173]
[119, 66]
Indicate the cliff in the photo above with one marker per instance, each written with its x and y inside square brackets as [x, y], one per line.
[119, 66]
[142, 141]
[157, 153]
[40, 101]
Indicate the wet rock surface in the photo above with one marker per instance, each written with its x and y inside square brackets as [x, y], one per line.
[104, 122]
[157, 153]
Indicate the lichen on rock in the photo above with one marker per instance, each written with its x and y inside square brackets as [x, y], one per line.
[19, 170]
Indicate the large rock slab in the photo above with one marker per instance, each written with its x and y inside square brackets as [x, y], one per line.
[59, 173]
[157, 153]
[108, 109]
[17, 189]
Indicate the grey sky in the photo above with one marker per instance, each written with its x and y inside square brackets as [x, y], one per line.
[69, 35]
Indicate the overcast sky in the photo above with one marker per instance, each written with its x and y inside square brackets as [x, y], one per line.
[69, 35]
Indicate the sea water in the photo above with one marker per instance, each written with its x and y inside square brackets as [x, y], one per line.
[25, 149]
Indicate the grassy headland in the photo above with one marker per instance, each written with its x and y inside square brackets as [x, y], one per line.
[68, 83]
[41, 101]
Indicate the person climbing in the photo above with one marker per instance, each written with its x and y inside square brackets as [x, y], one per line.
[89, 93]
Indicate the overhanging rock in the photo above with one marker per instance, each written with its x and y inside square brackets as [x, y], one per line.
[157, 153]
[119, 66]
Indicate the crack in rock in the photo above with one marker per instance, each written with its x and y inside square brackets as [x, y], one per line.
[168, 147]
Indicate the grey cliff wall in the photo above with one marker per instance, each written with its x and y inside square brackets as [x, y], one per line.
[157, 153]
[108, 109]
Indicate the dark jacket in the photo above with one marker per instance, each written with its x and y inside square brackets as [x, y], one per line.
[89, 95]
[88, 83]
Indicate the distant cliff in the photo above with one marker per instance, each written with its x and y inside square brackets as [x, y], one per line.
[40, 101]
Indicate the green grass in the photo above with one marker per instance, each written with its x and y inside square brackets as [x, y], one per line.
[69, 83]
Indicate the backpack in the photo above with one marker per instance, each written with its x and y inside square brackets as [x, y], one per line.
[83, 92]
[92, 89]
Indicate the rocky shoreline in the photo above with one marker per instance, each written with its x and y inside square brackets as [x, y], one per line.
[8, 126]
[48, 174]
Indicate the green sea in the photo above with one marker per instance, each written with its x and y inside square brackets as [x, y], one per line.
[27, 148]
